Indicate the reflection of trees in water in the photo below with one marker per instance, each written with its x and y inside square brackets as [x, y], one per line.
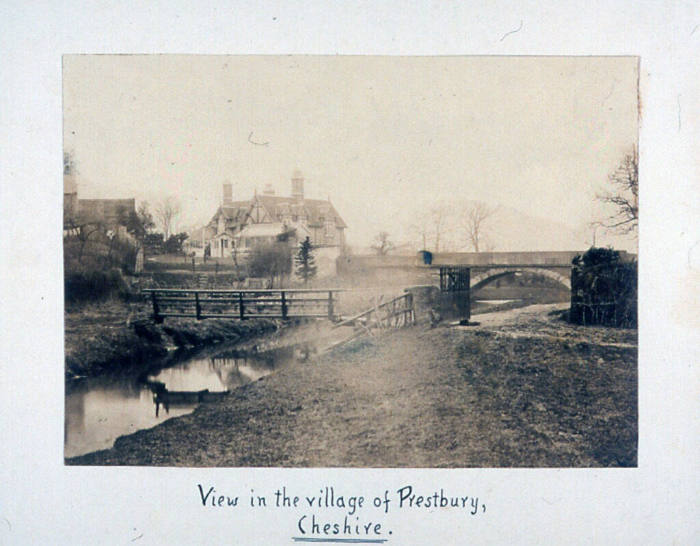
[235, 368]
[232, 368]
[228, 371]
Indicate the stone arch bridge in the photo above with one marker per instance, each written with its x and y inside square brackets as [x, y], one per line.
[486, 267]
[481, 276]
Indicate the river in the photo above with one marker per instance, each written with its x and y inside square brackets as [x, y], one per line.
[99, 410]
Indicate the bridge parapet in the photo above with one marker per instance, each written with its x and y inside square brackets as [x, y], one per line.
[561, 258]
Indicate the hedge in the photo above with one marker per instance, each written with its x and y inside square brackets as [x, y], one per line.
[603, 289]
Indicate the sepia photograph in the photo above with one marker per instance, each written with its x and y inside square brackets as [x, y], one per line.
[349, 273]
[350, 261]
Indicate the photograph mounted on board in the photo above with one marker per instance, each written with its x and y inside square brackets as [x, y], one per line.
[330, 261]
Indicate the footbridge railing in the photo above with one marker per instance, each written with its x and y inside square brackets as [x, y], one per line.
[243, 304]
[395, 313]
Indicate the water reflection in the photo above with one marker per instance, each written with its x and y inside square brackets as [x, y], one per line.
[99, 410]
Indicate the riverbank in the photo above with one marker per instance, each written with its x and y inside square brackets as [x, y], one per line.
[116, 336]
[523, 389]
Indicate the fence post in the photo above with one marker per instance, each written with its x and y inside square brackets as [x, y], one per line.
[330, 305]
[156, 311]
[198, 309]
[241, 308]
[284, 306]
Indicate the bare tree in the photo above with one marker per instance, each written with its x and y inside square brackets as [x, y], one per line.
[473, 224]
[625, 196]
[430, 226]
[166, 211]
[437, 220]
[138, 222]
[382, 245]
[85, 231]
[420, 232]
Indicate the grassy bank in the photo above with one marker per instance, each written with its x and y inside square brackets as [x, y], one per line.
[115, 336]
[525, 390]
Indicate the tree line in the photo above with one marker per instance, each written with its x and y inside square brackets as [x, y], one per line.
[449, 227]
[444, 227]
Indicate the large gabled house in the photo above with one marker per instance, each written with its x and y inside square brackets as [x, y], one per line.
[238, 226]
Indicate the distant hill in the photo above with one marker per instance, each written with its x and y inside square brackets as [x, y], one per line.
[509, 229]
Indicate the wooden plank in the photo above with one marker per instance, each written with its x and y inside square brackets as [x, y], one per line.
[247, 290]
[303, 300]
[262, 315]
[198, 307]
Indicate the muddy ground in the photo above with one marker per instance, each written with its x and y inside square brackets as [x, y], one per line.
[523, 389]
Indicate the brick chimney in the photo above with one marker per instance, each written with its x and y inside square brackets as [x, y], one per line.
[228, 195]
[298, 186]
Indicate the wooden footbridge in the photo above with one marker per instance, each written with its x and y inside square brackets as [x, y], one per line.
[281, 304]
[243, 304]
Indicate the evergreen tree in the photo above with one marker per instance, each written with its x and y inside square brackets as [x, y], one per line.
[306, 266]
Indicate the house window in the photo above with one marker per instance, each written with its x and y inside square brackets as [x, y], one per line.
[295, 217]
[225, 241]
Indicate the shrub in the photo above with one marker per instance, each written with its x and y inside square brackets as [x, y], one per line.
[603, 289]
[94, 286]
[271, 261]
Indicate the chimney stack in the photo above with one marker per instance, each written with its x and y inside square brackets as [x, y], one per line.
[228, 195]
[298, 186]
[269, 190]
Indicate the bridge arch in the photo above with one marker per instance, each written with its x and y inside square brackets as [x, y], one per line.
[480, 278]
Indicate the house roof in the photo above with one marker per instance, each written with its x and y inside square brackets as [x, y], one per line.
[104, 210]
[277, 207]
[313, 209]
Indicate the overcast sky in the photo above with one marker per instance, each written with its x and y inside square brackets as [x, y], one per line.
[382, 136]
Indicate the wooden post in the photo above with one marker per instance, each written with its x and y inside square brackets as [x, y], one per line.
[156, 311]
[284, 306]
[198, 308]
[241, 308]
[330, 305]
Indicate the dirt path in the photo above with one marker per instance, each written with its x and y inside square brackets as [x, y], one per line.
[444, 397]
